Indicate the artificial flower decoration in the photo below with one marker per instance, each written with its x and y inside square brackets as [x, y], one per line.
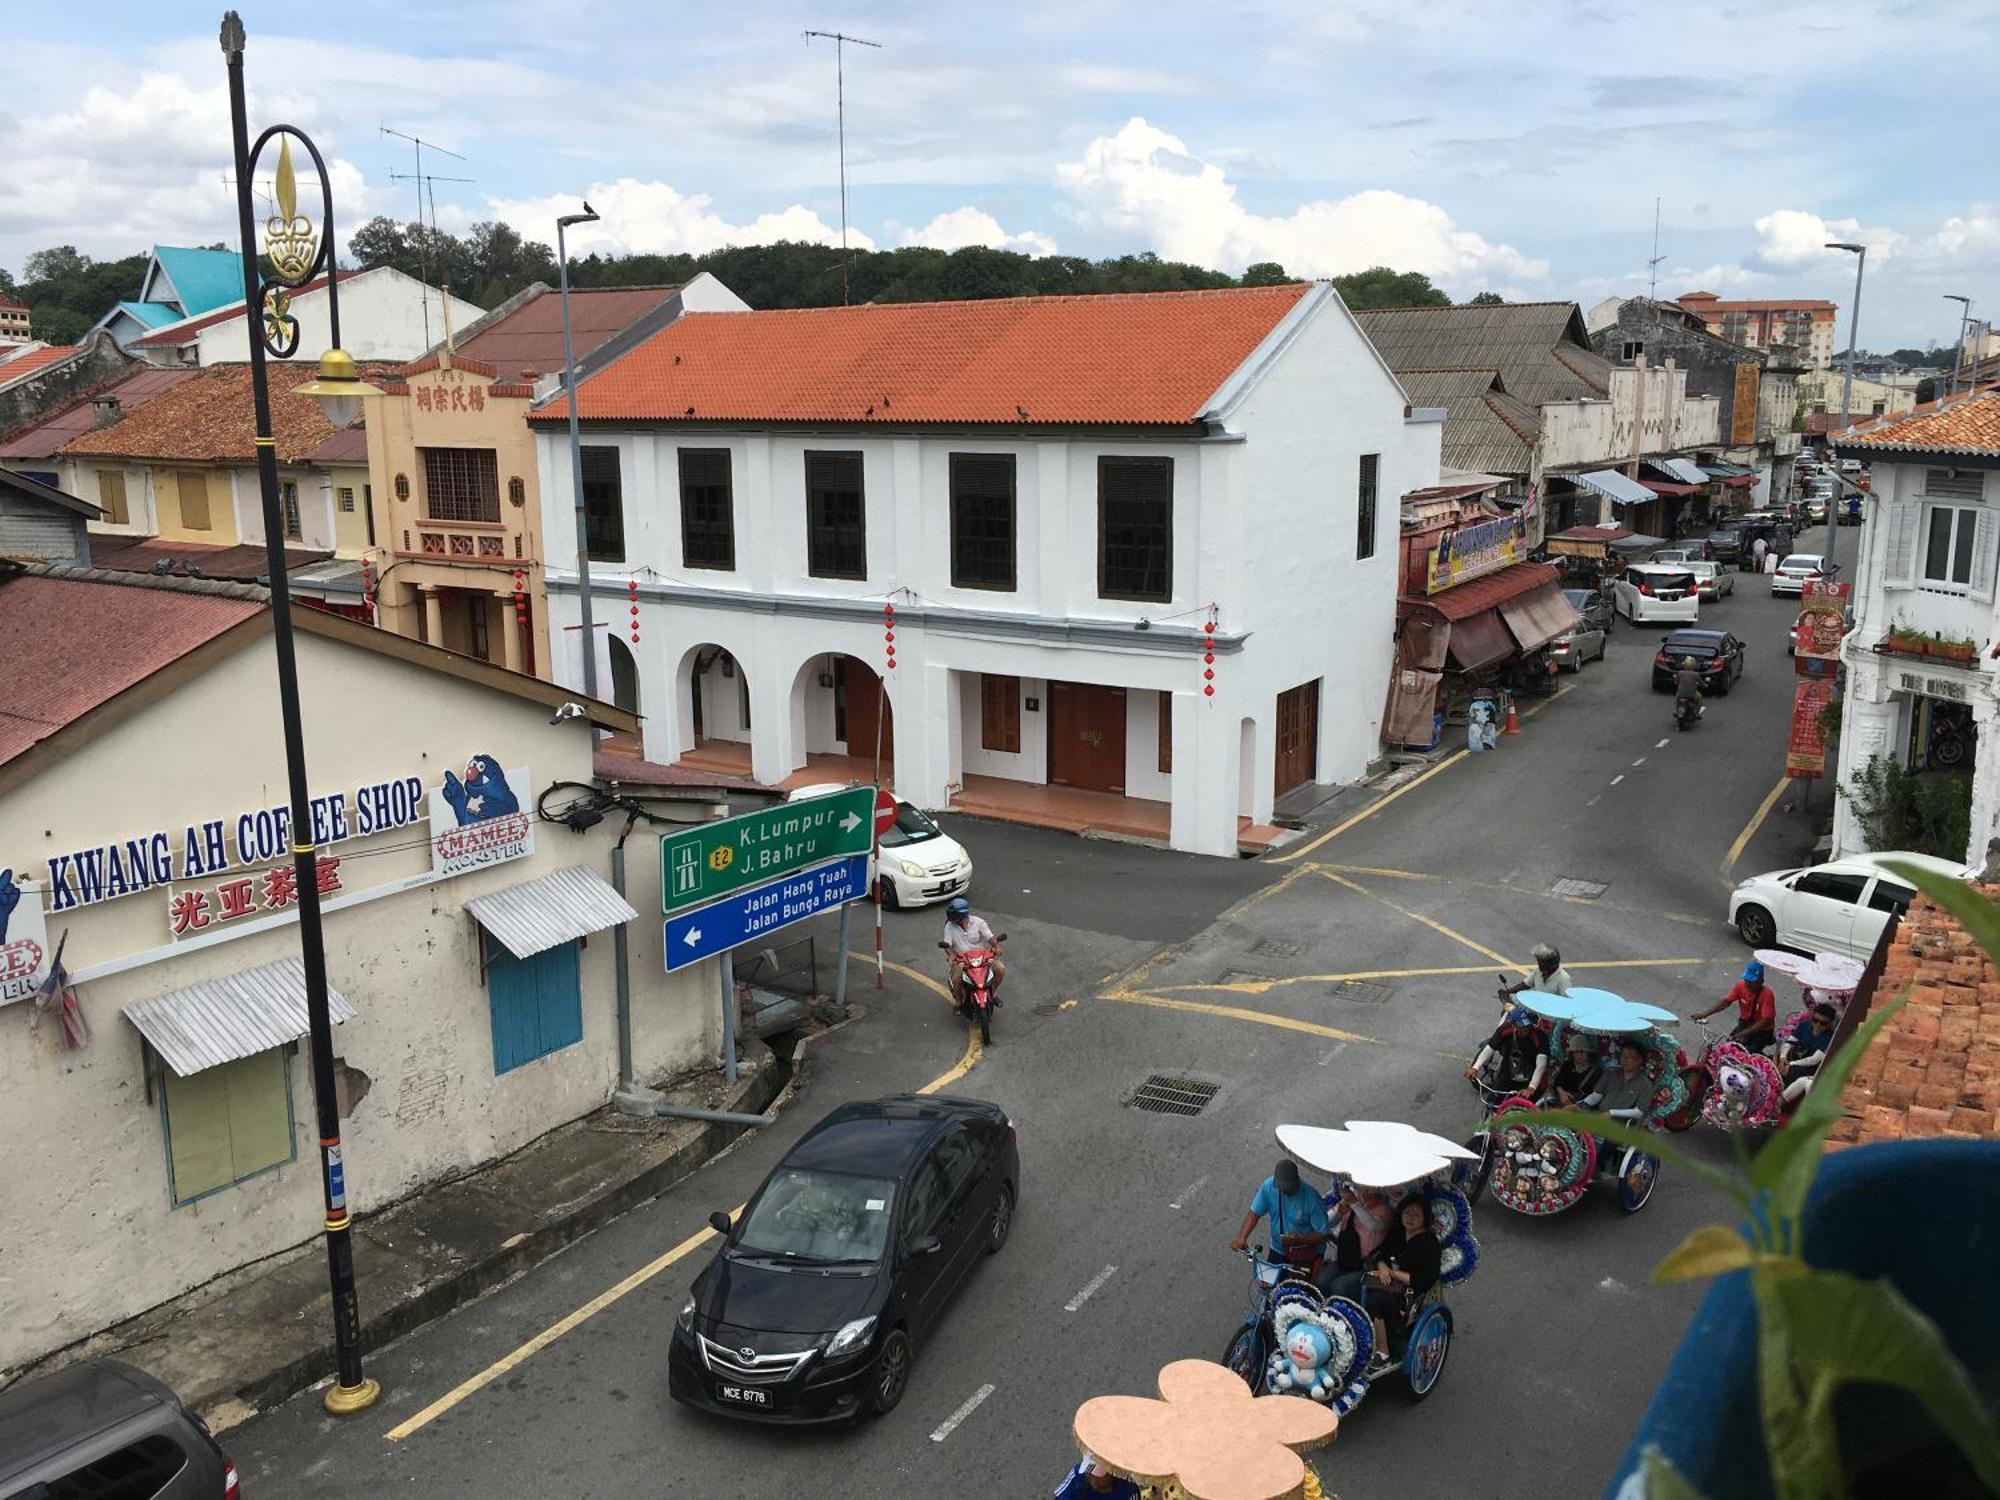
[1207, 1435]
[1373, 1153]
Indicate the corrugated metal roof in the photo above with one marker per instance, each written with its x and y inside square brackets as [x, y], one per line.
[1540, 348]
[1615, 487]
[1486, 428]
[1679, 468]
[239, 1015]
[536, 915]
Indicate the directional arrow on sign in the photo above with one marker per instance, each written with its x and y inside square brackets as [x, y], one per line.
[693, 938]
[849, 823]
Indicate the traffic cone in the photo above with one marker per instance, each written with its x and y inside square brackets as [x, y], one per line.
[1513, 725]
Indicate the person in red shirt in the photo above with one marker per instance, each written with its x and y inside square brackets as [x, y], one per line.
[1756, 1010]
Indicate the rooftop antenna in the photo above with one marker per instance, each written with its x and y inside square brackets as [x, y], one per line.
[261, 189]
[1653, 265]
[423, 255]
[840, 39]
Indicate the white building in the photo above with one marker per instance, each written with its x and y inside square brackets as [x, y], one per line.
[1921, 677]
[1055, 494]
[384, 314]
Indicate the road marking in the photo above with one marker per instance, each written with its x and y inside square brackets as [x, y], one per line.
[1333, 1052]
[1242, 1013]
[1438, 927]
[1618, 778]
[1750, 828]
[1639, 762]
[1595, 800]
[652, 1268]
[1663, 744]
[1265, 986]
[1378, 872]
[1291, 855]
[1089, 1288]
[950, 1423]
[1190, 1190]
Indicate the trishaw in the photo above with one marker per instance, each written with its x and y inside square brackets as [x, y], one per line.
[1734, 1088]
[1299, 1341]
[1544, 1169]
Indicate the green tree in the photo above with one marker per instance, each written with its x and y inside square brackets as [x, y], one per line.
[1264, 273]
[1488, 299]
[1927, 389]
[59, 263]
[1379, 286]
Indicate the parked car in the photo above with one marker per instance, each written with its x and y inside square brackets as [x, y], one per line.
[1798, 569]
[1574, 647]
[1718, 656]
[1593, 606]
[1812, 509]
[1725, 543]
[840, 1266]
[1838, 907]
[1689, 550]
[1850, 466]
[105, 1428]
[920, 862]
[1711, 580]
[1656, 594]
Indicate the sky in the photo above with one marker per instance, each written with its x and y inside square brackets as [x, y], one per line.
[1516, 146]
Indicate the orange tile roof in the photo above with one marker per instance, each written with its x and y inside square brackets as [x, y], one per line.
[1935, 1070]
[34, 359]
[1149, 358]
[1965, 424]
[208, 418]
[1706, 302]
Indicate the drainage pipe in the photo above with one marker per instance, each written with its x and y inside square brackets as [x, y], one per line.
[711, 1116]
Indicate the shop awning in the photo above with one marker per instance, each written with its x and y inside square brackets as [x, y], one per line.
[1479, 641]
[1612, 485]
[537, 915]
[1734, 475]
[1684, 470]
[1669, 487]
[237, 1016]
[1538, 618]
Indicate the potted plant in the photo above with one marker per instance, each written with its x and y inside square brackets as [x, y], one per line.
[1905, 639]
[1958, 650]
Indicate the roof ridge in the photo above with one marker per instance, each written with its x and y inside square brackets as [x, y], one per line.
[173, 582]
[1040, 299]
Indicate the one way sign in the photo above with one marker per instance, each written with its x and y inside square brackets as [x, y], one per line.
[691, 936]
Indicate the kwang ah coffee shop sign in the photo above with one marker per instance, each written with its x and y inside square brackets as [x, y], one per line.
[476, 819]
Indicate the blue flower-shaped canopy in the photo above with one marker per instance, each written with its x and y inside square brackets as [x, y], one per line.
[1597, 1010]
[1372, 1153]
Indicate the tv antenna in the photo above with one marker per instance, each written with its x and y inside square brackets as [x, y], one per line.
[262, 188]
[1653, 265]
[840, 39]
[423, 181]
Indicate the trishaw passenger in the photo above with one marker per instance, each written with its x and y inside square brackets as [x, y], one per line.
[1297, 1215]
[1360, 1225]
[1408, 1268]
[1805, 1047]
[1548, 975]
[1516, 1054]
[1579, 1080]
[1756, 1010]
[1626, 1091]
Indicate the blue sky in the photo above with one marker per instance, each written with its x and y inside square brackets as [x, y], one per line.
[1515, 145]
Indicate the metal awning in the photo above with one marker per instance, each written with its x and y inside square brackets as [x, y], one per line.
[239, 1015]
[1685, 470]
[1538, 617]
[1669, 487]
[1615, 487]
[1479, 641]
[537, 915]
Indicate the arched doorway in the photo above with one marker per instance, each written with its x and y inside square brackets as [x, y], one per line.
[841, 707]
[624, 676]
[711, 709]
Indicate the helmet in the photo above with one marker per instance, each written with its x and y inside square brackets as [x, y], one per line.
[1753, 972]
[958, 907]
[1688, 664]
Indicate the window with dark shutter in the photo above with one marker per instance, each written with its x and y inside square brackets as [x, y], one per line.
[1000, 713]
[461, 484]
[982, 521]
[836, 516]
[708, 522]
[603, 506]
[1135, 529]
[1364, 522]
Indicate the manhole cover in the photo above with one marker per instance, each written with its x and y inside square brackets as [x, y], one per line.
[1276, 945]
[1578, 890]
[1167, 1094]
[1048, 1007]
[1362, 991]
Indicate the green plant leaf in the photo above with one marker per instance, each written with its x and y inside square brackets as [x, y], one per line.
[1711, 1250]
[1662, 1480]
[1974, 912]
[1625, 1134]
[1842, 1328]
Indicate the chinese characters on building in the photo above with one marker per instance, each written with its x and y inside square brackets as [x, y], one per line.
[258, 893]
[456, 398]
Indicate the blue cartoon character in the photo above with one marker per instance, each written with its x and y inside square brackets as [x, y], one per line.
[484, 794]
[1315, 1350]
[10, 897]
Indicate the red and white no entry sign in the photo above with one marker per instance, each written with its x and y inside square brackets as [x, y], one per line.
[885, 810]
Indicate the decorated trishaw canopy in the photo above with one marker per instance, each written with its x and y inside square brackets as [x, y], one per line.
[1832, 971]
[1778, 961]
[1372, 1153]
[1597, 1010]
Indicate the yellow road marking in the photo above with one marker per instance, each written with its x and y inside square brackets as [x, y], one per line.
[1379, 874]
[1265, 986]
[1416, 916]
[652, 1268]
[1239, 1013]
[1369, 811]
[1750, 828]
[1566, 687]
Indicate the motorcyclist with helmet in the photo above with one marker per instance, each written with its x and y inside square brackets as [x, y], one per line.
[1687, 686]
[964, 931]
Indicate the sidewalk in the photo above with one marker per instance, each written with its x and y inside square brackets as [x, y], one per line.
[261, 1334]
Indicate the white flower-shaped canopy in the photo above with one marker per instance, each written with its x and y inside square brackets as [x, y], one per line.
[1831, 971]
[1373, 1153]
[1597, 1010]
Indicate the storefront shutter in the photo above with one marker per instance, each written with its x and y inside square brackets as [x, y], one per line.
[1900, 519]
[1985, 554]
[227, 1123]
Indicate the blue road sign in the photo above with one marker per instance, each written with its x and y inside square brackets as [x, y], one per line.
[691, 936]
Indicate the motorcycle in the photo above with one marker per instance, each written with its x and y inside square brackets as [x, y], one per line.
[1687, 713]
[975, 985]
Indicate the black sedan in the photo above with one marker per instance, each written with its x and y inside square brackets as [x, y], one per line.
[841, 1264]
[1718, 657]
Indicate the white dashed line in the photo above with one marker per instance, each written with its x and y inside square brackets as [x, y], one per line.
[1639, 762]
[1190, 1190]
[1618, 778]
[1089, 1289]
[1661, 746]
[950, 1423]
[1595, 800]
[1333, 1053]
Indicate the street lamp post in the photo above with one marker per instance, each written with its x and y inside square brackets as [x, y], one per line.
[1860, 254]
[1958, 354]
[295, 253]
[587, 627]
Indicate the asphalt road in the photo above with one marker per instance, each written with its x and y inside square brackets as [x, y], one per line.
[1345, 978]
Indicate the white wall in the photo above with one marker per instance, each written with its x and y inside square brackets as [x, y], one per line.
[381, 317]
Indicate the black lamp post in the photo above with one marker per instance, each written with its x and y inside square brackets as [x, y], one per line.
[293, 254]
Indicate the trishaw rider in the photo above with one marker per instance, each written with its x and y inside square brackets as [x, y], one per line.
[1297, 1214]
[1548, 975]
[1516, 1054]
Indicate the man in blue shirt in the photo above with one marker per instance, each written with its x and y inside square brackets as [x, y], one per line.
[1296, 1212]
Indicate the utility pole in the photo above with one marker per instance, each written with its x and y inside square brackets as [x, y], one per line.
[1860, 254]
[1653, 265]
[840, 39]
[1958, 355]
[418, 177]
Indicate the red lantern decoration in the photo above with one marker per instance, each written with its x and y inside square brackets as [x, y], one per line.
[1208, 657]
[1208, 690]
[632, 593]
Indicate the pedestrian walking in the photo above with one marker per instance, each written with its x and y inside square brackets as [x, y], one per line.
[1757, 550]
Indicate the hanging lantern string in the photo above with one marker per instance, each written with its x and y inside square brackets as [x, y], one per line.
[1208, 654]
[632, 593]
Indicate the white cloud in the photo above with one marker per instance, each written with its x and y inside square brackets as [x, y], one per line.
[957, 228]
[1144, 183]
[652, 217]
[1790, 237]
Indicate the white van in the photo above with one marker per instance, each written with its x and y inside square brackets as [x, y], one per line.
[1657, 594]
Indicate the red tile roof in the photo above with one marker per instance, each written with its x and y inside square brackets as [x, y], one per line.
[1707, 302]
[612, 766]
[348, 446]
[27, 363]
[68, 646]
[1964, 424]
[1935, 1070]
[1490, 592]
[41, 438]
[183, 332]
[530, 337]
[243, 563]
[209, 418]
[14, 302]
[1150, 358]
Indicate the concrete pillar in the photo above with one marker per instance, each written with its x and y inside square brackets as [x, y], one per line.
[1870, 725]
[1985, 776]
[774, 751]
[433, 617]
[1206, 775]
[510, 631]
[927, 716]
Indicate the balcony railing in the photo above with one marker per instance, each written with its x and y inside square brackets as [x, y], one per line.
[474, 542]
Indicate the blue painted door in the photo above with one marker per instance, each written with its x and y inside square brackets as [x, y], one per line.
[537, 1004]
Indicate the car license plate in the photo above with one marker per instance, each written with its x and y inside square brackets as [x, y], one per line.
[748, 1395]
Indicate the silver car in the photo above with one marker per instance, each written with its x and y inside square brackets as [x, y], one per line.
[1711, 581]
[1574, 647]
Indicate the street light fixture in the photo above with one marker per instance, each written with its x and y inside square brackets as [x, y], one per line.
[295, 252]
[1860, 254]
[1958, 354]
[587, 634]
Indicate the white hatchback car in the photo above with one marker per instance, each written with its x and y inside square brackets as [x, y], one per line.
[920, 862]
[1799, 569]
[1840, 907]
[1657, 594]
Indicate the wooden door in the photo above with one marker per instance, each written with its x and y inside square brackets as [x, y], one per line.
[863, 702]
[1298, 737]
[1087, 736]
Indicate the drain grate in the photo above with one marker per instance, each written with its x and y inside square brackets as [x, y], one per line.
[1578, 890]
[1048, 1007]
[1362, 991]
[1166, 1094]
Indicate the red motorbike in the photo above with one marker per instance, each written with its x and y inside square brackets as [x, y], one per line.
[976, 986]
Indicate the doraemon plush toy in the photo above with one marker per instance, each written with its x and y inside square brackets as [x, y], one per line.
[1302, 1365]
[483, 795]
